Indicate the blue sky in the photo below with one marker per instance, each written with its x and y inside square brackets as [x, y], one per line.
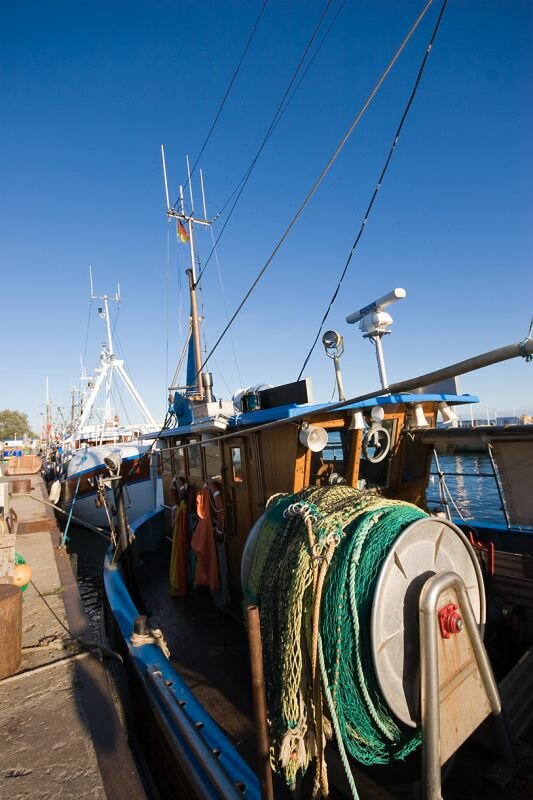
[91, 90]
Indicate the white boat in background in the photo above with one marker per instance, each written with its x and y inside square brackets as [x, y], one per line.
[81, 487]
[98, 437]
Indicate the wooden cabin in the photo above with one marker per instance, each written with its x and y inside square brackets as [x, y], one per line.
[261, 453]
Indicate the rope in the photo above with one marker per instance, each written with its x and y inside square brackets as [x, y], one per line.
[378, 185]
[154, 636]
[64, 538]
[77, 520]
[316, 562]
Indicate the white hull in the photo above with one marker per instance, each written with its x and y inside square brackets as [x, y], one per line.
[80, 483]
[140, 499]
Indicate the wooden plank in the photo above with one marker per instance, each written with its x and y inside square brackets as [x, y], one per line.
[7, 553]
[279, 450]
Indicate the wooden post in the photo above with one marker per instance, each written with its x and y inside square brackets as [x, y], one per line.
[258, 690]
[7, 552]
[10, 630]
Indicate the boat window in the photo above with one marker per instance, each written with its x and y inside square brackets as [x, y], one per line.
[179, 461]
[236, 465]
[378, 445]
[194, 454]
[331, 464]
[212, 460]
[166, 461]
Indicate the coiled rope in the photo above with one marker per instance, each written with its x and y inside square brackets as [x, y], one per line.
[315, 565]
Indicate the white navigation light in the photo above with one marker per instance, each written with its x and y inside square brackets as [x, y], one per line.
[357, 422]
[313, 437]
[377, 414]
[447, 413]
[419, 420]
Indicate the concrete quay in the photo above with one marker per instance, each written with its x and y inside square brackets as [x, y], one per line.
[60, 735]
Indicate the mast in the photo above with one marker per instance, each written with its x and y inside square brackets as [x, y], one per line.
[109, 364]
[189, 221]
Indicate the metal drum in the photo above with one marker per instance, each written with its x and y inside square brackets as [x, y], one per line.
[425, 548]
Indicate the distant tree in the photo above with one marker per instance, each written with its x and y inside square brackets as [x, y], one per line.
[13, 424]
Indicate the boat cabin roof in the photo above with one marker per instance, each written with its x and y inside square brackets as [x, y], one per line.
[291, 410]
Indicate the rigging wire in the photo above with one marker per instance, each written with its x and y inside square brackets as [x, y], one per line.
[273, 123]
[84, 367]
[167, 306]
[211, 129]
[378, 185]
[321, 177]
[289, 100]
[181, 361]
[226, 312]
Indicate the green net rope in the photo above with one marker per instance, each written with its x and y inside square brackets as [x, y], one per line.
[362, 527]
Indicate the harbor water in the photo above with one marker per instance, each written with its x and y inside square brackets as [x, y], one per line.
[470, 479]
[87, 550]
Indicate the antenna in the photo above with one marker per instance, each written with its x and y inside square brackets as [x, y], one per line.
[188, 220]
[190, 183]
[375, 322]
[165, 176]
[377, 305]
[91, 281]
[203, 193]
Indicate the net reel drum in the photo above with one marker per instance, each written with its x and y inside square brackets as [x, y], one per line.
[427, 623]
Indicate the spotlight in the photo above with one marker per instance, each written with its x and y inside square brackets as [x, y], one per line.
[334, 346]
[313, 437]
[333, 341]
[113, 462]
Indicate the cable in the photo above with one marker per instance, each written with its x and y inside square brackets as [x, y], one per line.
[291, 96]
[320, 177]
[275, 120]
[377, 188]
[87, 335]
[226, 95]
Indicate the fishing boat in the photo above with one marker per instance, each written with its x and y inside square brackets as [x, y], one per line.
[293, 621]
[96, 437]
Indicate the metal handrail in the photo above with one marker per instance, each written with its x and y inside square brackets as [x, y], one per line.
[206, 760]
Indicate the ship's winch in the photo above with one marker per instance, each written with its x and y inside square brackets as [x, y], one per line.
[370, 613]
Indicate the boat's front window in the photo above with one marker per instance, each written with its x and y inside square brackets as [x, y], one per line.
[212, 460]
[166, 461]
[376, 456]
[195, 460]
[179, 461]
[331, 464]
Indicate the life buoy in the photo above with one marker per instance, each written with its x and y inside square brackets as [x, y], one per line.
[55, 492]
[179, 485]
[378, 438]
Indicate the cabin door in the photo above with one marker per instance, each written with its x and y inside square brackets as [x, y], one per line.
[238, 492]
